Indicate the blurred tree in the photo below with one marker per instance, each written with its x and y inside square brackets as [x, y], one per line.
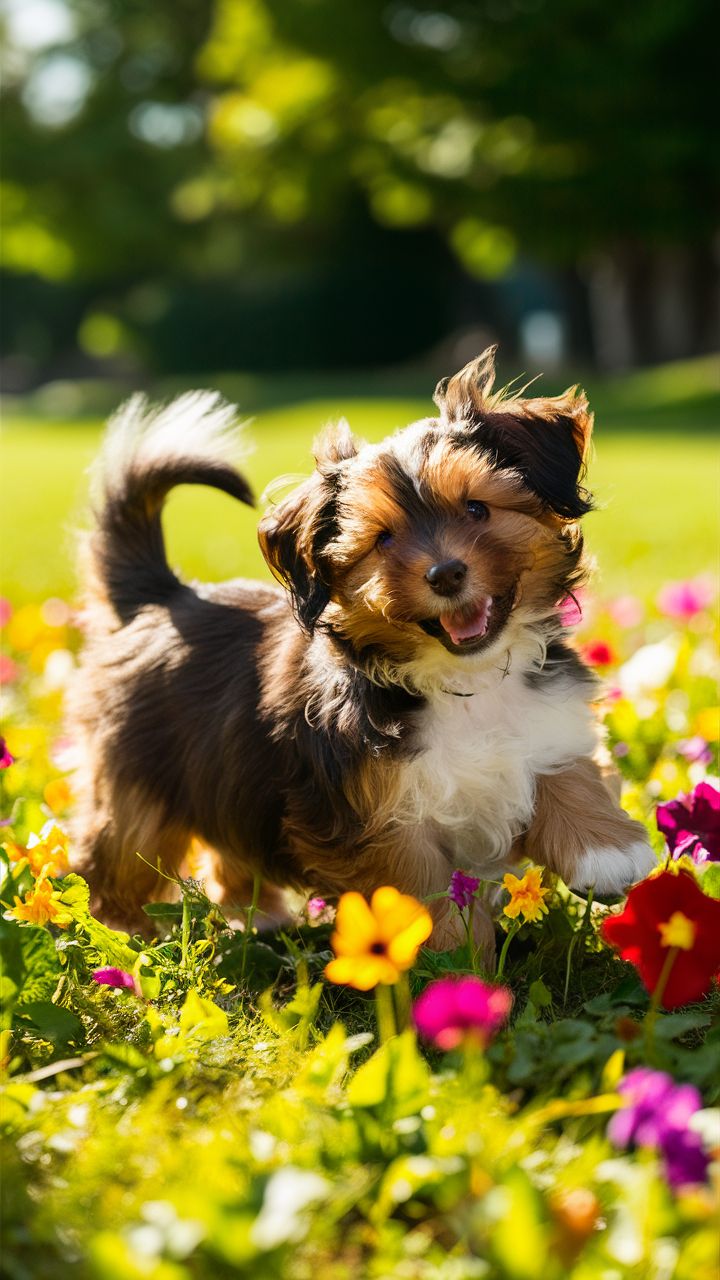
[242, 140]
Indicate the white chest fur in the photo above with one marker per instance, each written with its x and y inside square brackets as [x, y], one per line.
[475, 779]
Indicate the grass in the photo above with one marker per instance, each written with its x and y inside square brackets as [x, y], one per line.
[655, 475]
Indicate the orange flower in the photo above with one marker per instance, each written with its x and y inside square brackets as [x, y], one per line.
[377, 941]
[57, 795]
[42, 905]
[526, 895]
[48, 852]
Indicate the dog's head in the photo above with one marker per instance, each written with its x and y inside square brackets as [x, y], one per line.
[446, 530]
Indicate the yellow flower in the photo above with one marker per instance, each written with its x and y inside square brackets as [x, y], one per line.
[526, 895]
[48, 852]
[377, 941]
[42, 905]
[678, 931]
[58, 795]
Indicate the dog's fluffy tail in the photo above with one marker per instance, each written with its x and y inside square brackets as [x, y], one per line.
[146, 453]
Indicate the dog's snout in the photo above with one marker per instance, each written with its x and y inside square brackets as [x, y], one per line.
[447, 578]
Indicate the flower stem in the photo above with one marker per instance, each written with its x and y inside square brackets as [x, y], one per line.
[185, 937]
[402, 1002]
[505, 947]
[656, 997]
[385, 1013]
[257, 883]
[471, 935]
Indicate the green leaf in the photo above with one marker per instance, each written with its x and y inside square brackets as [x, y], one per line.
[520, 1236]
[396, 1079]
[201, 1019]
[710, 880]
[52, 1021]
[75, 894]
[671, 1026]
[539, 995]
[30, 959]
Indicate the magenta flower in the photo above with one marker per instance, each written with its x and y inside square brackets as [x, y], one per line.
[455, 1011]
[691, 824]
[656, 1114]
[315, 907]
[112, 977]
[5, 758]
[462, 889]
[683, 600]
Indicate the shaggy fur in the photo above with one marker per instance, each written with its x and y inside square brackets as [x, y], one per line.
[405, 703]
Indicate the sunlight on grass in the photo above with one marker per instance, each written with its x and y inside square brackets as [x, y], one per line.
[658, 496]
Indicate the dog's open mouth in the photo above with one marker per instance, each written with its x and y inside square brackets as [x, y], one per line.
[470, 629]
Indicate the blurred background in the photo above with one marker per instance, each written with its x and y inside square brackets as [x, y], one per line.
[278, 185]
[324, 205]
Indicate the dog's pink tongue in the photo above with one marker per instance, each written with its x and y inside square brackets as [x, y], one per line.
[471, 628]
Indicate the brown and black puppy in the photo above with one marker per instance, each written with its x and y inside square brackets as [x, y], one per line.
[405, 704]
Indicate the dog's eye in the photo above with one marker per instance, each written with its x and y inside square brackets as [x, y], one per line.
[383, 539]
[478, 510]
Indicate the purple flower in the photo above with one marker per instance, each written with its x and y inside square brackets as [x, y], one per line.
[657, 1114]
[111, 977]
[452, 1011]
[462, 889]
[686, 1163]
[5, 758]
[691, 824]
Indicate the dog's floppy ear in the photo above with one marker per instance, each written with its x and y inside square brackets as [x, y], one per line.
[294, 535]
[545, 439]
[291, 537]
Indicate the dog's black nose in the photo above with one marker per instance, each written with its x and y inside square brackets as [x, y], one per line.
[447, 578]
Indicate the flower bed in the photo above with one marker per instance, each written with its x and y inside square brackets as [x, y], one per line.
[334, 1096]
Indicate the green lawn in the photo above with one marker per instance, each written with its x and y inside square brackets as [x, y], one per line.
[655, 474]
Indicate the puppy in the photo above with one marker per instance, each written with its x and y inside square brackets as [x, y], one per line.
[404, 704]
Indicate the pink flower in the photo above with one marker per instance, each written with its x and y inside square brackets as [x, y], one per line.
[8, 670]
[111, 977]
[6, 759]
[5, 611]
[462, 889]
[315, 907]
[626, 611]
[682, 600]
[599, 653]
[456, 1011]
[696, 750]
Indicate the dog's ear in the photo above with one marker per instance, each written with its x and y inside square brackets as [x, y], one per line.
[291, 538]
[336, 444]
[545, 439]
[460, 397]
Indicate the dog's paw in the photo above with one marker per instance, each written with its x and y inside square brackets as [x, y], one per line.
[612, 871]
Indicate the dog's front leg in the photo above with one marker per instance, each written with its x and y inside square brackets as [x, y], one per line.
[580, 832]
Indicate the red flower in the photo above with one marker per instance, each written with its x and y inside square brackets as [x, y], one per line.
[669, 926]
[599, 653]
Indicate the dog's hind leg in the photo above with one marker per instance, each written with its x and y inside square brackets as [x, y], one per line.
[236, 893]
[129, 853]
